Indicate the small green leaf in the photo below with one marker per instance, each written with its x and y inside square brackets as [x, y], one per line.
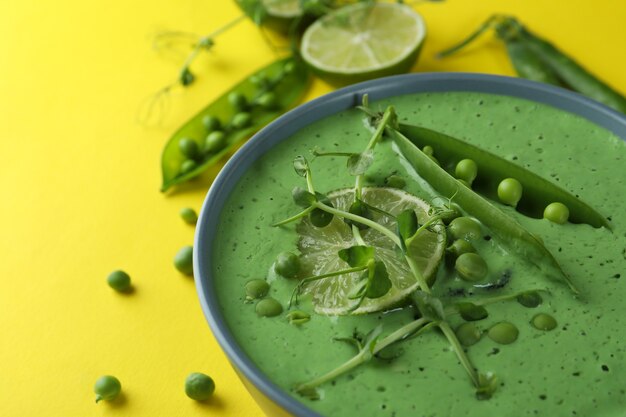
[407, 224]
[487, 386]
[357, 256]
[358, 163]
[301, 165]
[320, 218]
[309, 392]
[472, 312]
[302, 197]
[430, 307]
[379, 283]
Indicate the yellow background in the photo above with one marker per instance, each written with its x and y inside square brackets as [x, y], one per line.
[80, 181]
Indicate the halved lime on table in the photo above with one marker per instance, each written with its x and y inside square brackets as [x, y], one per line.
[319, 247]
[363, 41]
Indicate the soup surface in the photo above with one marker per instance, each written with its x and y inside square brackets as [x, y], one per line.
[576, 369]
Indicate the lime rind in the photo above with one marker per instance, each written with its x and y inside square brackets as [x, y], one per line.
[319, 248]
[362, 40]
[283, 8]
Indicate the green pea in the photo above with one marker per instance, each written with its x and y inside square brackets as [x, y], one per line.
[119, 281]
[428, 150]
[472, 312]
[395, 181]
[267, 100]
[211, 123]
[464, 228]
[259, 80]
[199, 387]
[268, 307]
[107, 388]
[189, 148]
[257, 288]
[543, 321]
[287, 264]
[556, 213]
[530, 299]
[471, 267]
[188, 165]
[241, 120]
[468, 334]
[189, 215]
[510, 191]
[238, 101]
[183, 261]
[298, 317]
[289, 67]
[214, 141]
[466, 170]
[504, 333]
[459, 247]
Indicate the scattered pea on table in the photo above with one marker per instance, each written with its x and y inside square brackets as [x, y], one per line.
[119, 281]
[107, 388]
[199, 386]
[183, 261]
[189, 215]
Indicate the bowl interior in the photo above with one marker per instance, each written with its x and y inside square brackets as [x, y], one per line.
[320, 108]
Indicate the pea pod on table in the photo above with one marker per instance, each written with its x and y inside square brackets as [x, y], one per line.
[538, 192]
[539, 60]
[267, 93]
[510, 232]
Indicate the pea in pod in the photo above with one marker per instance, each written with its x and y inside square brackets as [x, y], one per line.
[538, 192]
[510, 232]
[286, 78]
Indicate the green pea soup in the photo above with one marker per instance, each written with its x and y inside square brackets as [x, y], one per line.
[575, 368]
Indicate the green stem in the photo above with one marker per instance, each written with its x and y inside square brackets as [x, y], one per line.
[363, 356]
[460, 352]
[483, 28]
[293, 218]
[378, 133]
[305, 281]
[359, 219]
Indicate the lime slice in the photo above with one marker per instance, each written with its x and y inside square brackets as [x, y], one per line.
[319, 247]
[282, 8]
[363, 41]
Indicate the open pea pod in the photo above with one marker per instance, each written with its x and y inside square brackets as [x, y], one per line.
[268, 93]
[537, 191]
[510, 232]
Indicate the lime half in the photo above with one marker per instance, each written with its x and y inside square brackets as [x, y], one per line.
[278, 15]
[319, 247]
[363, 41]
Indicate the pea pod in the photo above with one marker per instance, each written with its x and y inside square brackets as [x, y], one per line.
[501, 225]
[538, 192]
[528, 65]
[572, 73]
[286, 78]
[539, 60]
